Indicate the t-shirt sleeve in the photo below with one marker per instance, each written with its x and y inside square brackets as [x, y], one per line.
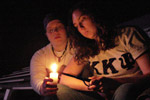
[134, 41]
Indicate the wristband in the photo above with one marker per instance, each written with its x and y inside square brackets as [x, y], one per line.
[86, 84]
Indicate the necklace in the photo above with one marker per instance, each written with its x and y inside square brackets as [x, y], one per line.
[59, 57]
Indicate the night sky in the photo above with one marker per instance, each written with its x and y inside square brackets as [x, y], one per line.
[21, 25]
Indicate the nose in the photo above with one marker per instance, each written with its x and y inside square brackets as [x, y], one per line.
[81, 29]
[56, 29]
[56, 32]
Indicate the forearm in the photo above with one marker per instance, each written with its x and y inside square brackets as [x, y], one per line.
[37, 77]
[73, 83]
[141, 79]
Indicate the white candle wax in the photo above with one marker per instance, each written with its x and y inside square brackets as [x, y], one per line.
[54, 76]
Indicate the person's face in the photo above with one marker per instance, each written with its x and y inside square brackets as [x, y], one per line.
[56, 32]
[84, 24]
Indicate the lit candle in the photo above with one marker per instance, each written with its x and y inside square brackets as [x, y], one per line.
[54, 74]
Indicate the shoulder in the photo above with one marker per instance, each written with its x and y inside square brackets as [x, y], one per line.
[43, 50]
[130, 31]
[132, 35]
[127, 29]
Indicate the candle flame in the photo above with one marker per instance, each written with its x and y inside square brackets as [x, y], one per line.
[54, 67]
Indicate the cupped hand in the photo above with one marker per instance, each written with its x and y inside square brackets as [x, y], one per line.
[103, 84]
[48, 88]
[96, 84]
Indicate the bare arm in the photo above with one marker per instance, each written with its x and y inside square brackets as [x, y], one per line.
[73, 69]
[144, 64]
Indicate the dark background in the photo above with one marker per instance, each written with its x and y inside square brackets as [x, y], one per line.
[21, 25]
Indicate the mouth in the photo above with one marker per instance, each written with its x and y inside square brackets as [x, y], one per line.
[57, 37]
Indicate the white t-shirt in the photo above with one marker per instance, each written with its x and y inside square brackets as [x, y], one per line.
[42, 60]
[120, 61]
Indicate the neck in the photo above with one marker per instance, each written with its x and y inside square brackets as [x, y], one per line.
[60, 47]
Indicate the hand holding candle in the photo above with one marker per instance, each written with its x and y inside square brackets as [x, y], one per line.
[54, 74]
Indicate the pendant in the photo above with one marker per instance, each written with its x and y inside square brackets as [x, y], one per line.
[59, 59]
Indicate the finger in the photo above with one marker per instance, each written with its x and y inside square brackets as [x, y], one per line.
[101, 89]
[92, 81]
[95, 82]
[93, 77]
[51, 89]
[50, 83]
[46, 90]
[100, 77]
[50, 93]
[48, 79]
[92, 87]
[44, 85]
[100, 83]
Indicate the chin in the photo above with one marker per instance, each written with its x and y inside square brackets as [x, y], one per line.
[90, 37]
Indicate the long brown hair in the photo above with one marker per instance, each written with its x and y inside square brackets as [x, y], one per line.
[86, 48]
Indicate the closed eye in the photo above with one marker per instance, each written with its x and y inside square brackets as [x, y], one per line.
[81, 21]
[80, 24]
